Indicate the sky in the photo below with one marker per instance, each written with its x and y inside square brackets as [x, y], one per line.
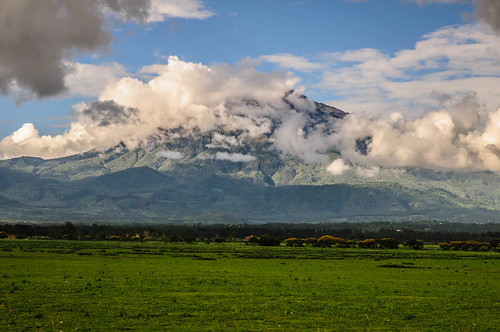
[76, 76]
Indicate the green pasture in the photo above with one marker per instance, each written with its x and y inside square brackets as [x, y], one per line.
[100, 286]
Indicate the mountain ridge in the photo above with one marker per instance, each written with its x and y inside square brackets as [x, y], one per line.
[217, 175]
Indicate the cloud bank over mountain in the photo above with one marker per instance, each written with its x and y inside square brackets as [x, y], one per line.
[188, 96]
[191, 99]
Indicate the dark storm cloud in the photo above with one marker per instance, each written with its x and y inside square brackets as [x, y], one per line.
[37, 37]
[105, 113]
[489, 12]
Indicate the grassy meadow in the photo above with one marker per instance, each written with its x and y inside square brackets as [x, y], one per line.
[76, 285]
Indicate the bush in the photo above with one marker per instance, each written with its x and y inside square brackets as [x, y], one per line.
[219, 239]
[444, 246]
[415, 244]
[368, 243]
[252, 239]
[388, 243]
[269, 240]
[456, 245]
[329, 241]
[311, 241]
[294, 242]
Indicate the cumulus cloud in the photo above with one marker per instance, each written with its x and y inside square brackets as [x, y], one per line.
[337, 167]
[169, 154]
[450, 61]
[183, 98]
[234, 157]
[89, 80]
[39, 37]
[458, 138]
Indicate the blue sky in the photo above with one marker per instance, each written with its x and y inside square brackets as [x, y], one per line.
[368, 57]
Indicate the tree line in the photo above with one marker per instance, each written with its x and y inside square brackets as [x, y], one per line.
[426, 231]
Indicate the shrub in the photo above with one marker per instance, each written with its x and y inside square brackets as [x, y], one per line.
[329, 241]
[294, 242]
[415, 244]
[388, 243]
[252, 239]
[311, 241]
[484, 246]
[269, 240]
[368, 243]
[175, 238]
[219, 239]
[444, 246]
[189, 239]
[456, 245]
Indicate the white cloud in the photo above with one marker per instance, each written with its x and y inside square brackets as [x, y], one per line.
[458, 138]
[291, 139]
[89, 80]
[234, 157]
[451, 61]
[169, 154]
[192, 9]
[337, 167]
[290, 61]
[368, 172]
[184, 95]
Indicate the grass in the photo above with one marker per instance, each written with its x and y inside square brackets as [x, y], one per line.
[67, 286]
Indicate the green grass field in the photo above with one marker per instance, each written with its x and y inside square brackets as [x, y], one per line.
[69, 286]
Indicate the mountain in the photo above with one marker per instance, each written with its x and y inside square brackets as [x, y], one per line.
[199, 177]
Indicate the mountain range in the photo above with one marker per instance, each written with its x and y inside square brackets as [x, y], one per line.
[197, 177]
